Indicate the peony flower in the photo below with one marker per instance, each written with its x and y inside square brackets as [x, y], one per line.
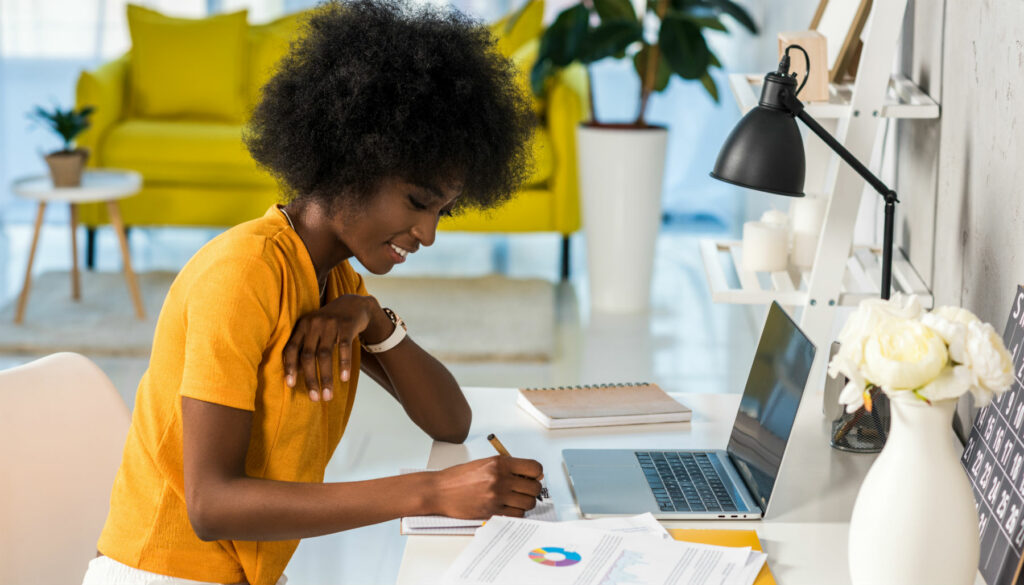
[951, 383]
[951, 323]
[988, 364]
[869, 315]
[909, 355]
[903, 355]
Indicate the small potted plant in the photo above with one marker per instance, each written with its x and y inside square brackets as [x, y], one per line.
[66, 165]
[621, 165]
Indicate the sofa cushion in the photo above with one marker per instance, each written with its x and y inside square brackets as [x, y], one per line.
[183, 152]
[268, 43]
[518, 27]
[543, 158]
[183, 67]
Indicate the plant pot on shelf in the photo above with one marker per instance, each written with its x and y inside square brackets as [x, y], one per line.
[66, 166]
[621, 169]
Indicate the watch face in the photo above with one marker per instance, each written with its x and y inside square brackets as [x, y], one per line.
[395, 318]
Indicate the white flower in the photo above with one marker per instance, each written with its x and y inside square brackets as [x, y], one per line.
[903, 355]
[951, 383]
[988, 363]
[951, 323]
[869, 315]
[852, 394]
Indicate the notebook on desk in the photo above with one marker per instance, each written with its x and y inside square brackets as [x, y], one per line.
[598, 405]
[735, 483]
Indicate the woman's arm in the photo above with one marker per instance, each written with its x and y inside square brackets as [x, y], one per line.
[425, 388]
[225, 504]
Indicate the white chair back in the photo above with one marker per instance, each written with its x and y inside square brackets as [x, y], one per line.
[62, 431]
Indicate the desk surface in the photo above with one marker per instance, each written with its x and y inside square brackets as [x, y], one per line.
[805, 534]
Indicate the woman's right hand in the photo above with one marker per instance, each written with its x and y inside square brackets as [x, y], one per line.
[506, 486]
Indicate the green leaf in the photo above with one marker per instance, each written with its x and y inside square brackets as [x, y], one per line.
[713, 60]
[701, 18]
[684, 47]
[663, 74]
[539, 76]
[734, 10]
[611, 38]
[615, 10]
[709, 84]
[563, 40]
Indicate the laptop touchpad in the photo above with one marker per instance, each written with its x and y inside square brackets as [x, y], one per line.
[612, 490]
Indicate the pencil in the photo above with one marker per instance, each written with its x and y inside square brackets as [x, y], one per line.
[493, 440]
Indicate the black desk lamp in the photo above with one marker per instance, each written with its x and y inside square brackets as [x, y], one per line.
[765, 151]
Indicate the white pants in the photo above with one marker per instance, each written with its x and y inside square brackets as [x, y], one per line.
[106, 571]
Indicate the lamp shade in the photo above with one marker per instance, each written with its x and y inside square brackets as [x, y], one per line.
[765, 150]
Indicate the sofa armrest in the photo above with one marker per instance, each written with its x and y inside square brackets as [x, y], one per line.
[105, 89]
[567, 107]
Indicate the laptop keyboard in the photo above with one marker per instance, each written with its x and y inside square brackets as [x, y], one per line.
[685, 482]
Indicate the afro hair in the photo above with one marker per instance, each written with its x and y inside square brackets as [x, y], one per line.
[372, 89]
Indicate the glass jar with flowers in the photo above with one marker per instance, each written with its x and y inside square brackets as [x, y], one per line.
[915, 519]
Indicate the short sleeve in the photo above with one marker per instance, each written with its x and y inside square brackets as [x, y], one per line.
[230, 312]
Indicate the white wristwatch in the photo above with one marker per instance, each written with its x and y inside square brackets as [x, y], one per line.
[394, 339]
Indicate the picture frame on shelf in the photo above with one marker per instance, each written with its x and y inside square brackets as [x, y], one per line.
[841, 22]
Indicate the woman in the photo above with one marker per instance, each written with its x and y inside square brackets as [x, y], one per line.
[380, 121]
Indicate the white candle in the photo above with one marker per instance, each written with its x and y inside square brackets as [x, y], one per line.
[765, 247]
[776, 218]
[808, 213]
[804, 247]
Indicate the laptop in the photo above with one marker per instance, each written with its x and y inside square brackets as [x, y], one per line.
[735, 483]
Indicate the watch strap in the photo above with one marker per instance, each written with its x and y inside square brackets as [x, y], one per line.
[392, 340]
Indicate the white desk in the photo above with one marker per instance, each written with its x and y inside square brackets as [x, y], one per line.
[805, 535]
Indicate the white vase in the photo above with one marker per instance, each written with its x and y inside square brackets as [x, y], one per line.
[915, 519]
[621, 170]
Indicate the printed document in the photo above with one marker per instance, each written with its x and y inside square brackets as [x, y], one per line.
[512, 551]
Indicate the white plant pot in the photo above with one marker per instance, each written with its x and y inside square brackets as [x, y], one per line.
[915, 520]
[621, 171]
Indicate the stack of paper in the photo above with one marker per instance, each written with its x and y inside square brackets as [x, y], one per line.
[544, 511]
[515, 551]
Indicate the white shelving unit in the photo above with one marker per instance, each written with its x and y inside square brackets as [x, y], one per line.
[852, 114]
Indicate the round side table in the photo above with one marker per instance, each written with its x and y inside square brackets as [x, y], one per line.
[106, 185]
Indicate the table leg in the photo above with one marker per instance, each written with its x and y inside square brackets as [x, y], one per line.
[19, 315]
[114, 211]
[76, 287]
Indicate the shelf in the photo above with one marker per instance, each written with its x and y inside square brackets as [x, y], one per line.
[862, 279]
[903, 99]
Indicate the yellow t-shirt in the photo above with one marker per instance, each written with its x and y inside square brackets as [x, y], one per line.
[219, 339]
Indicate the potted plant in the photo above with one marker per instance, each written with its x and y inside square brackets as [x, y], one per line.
[621, 165]
[66, 164]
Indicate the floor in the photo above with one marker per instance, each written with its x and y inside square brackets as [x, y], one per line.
[684, 343]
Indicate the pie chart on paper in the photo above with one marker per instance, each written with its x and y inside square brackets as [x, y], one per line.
[554, 556]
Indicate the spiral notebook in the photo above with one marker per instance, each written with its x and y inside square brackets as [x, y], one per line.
[601, 405]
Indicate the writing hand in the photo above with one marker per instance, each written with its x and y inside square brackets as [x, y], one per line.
[499, 485]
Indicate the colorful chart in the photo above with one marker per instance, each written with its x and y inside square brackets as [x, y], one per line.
[554, 556]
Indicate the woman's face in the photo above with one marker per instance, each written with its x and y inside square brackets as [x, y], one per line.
[398, 219]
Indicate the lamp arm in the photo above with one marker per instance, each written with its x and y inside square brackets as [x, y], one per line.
[796, 107]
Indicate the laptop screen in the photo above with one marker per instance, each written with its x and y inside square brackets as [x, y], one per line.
[768, 407]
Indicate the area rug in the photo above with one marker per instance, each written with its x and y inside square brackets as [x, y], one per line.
[491, 318]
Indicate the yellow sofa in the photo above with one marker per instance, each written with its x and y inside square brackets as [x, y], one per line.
[197, 172]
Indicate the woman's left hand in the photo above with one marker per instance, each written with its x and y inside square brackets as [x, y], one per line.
[315, 336]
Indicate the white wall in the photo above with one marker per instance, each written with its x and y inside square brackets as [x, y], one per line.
[970, 162]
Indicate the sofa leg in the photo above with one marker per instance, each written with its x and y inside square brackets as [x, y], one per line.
[90, 248]
[565, 257]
